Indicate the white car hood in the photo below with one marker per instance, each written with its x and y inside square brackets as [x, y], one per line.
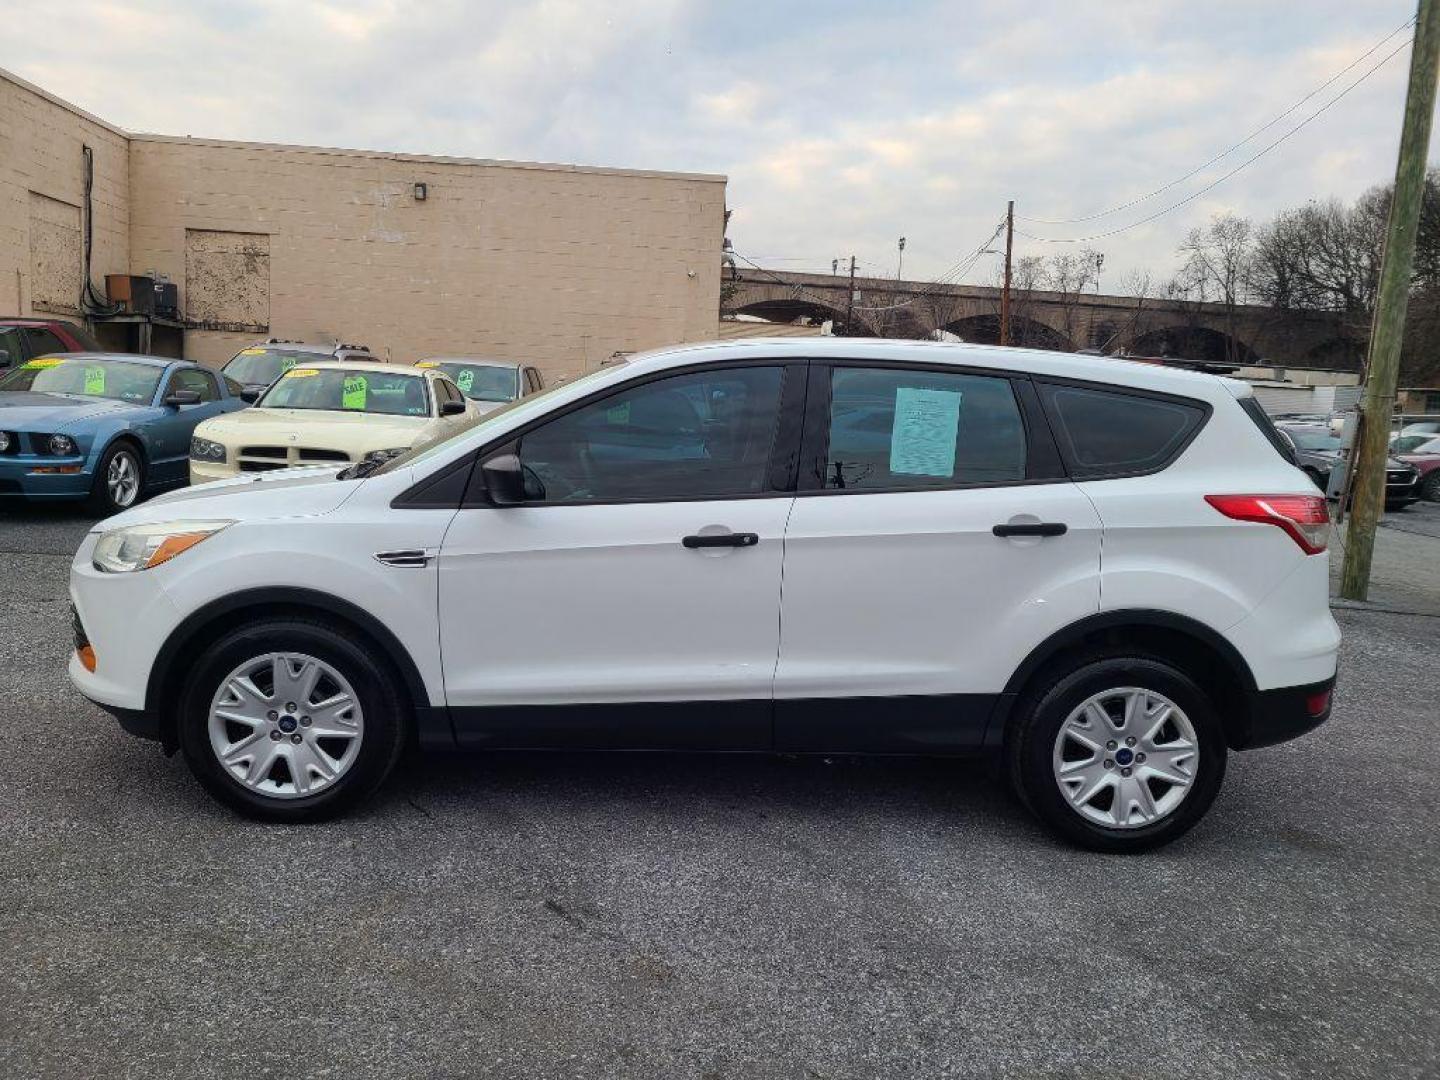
[356, 432]
[287, 493]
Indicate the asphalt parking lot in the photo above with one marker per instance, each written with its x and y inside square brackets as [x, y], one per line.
[563, 916]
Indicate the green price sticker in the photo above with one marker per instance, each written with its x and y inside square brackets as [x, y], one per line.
[353, 396]
[286, 363]
[466, 381]
[618, 414]
[94, 380]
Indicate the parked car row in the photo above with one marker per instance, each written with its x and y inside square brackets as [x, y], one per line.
[82, 424]
[1318, 451]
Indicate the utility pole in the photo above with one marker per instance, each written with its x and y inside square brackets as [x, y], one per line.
[850, 297]
[1005, 292]
[1388, 329]
[900, 262]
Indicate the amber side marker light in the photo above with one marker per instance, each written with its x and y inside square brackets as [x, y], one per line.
[174, 545]
[87, 658]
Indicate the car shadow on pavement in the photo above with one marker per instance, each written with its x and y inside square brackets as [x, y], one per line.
[838, 789]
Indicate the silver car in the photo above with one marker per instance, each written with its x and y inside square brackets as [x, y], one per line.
[488, 383]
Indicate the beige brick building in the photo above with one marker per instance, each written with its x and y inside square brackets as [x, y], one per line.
[558, 265]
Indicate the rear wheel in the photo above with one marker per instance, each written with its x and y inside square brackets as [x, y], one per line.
[1118, 754]
[288, 720]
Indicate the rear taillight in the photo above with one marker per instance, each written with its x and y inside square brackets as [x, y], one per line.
[1318, 704]
[1304, 517]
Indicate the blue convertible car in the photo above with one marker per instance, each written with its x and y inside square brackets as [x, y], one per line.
[103, 427]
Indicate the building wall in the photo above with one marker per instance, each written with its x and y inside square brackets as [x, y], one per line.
[41, 192]
[556, 265]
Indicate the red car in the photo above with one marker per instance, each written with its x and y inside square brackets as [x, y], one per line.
[1425, 456]
[22, 339]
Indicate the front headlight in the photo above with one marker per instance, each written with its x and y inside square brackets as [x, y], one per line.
[205, 450]
[62, 445]
[141, 547]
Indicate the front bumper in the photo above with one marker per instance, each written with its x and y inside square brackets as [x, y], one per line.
[124, 618]
[202, 472]
[18, 478]
[1276, 716]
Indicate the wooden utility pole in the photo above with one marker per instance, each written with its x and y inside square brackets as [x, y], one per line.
[1388, 329]
[1005, 291]
[850, 297]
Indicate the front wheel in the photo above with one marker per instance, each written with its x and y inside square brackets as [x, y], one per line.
[119, 479]
[289, 720]
[1430, 486]
[1119, 754]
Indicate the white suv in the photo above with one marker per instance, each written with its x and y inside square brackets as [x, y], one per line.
[1107, 572]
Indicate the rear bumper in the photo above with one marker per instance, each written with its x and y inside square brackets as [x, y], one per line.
[1277, 716]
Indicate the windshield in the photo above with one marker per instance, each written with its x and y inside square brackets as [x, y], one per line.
[1313, 439]
[1415, 444]
[481, 382]
[423, 452]
[259, 366]
[349, 390]
[113, 379]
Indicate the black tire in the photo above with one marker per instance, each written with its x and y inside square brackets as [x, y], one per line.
[102, 501]
[1430, 486]
[383, 705]
[1038, 720]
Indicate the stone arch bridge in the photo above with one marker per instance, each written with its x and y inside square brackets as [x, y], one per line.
[1147, 326]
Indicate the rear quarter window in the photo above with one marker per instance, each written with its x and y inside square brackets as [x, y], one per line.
[1108, 433]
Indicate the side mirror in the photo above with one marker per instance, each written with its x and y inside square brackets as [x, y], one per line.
[177, 398]
[250, 395]
[504, 479]
[452, 408]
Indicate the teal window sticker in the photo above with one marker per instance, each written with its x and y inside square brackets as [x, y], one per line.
[618, 415]
[922, 438]
[466, 380]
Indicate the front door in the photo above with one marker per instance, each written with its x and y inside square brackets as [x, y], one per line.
[632, 599]
[904, 611]
[170, 435]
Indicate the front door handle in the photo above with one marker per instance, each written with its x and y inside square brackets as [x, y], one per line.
[715, 540]
[1038, 528]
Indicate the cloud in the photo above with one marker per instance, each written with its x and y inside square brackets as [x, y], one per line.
[842, 125]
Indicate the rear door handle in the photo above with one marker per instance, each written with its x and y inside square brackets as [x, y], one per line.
[1039, 528]
[714, 540]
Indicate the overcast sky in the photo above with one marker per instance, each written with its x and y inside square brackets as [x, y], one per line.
[841, 125]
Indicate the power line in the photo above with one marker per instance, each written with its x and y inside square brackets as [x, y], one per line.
[1231, 149]
[1238, 168]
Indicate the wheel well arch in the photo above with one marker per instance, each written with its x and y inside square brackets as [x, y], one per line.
[202, 627]
[126, 435]
[1195, 648]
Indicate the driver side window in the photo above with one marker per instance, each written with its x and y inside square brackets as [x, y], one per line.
[703, 435]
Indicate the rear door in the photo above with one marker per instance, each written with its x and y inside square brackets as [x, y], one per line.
[933, 543]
